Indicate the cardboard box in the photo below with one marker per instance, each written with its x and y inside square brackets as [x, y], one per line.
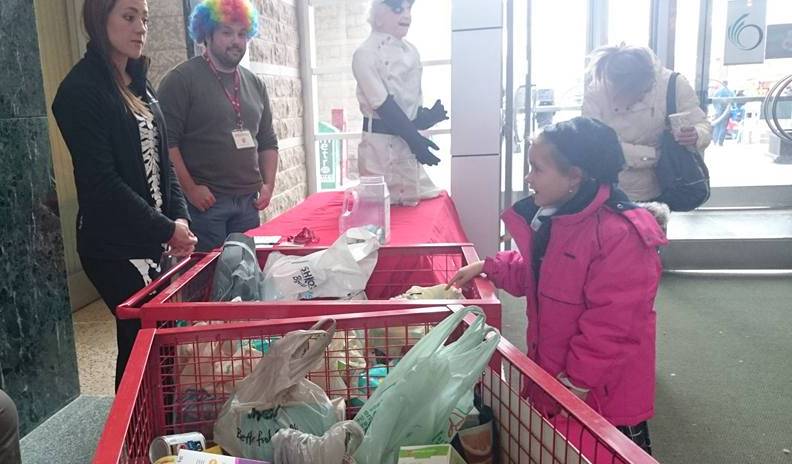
[198, 457]
[429, 454]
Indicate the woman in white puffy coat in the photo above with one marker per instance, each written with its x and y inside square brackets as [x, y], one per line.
[626, 89]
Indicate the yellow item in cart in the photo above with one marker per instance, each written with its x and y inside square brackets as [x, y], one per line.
[436, 292]
[166, 460]
[214, 450]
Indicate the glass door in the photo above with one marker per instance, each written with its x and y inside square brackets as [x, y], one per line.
[548, 43]
[548, 49]
[744, 156]
[744, 152]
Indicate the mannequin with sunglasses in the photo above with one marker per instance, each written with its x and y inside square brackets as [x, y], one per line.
[388, 72]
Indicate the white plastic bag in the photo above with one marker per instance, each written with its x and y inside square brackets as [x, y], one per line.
[210, 366]
[334, 447]
[427, 395]
[341, 271]
[344, 361]
[277, 395]
[393, 342]
[206, 371]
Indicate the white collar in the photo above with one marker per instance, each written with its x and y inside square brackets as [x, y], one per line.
[536, 222]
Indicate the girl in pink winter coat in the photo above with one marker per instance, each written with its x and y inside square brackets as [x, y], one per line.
[588, 264]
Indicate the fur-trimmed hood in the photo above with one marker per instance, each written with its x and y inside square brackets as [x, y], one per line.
[660, 211]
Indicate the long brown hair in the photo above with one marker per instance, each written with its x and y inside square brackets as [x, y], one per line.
[95, 16]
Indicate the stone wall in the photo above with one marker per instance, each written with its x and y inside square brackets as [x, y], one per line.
[275, 57]
[167, 43]
[291, 185]
[38, 365]
[340, 29]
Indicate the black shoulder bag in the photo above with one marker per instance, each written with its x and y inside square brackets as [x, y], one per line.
[682, 174]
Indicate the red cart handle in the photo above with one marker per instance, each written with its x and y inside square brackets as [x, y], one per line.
[130, 309]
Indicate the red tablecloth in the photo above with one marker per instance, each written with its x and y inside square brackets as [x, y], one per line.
[432, 221]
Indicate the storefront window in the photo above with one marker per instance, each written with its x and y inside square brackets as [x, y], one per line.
[340, 26]
[629, 22]
[746, 152]
[558, 56]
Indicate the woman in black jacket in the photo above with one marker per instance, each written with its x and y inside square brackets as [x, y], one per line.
[131, 207]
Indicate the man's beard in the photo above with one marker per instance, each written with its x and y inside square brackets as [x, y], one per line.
[226, 60]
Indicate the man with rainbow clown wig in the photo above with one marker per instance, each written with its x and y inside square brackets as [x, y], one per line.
[219, 120]
[388, 71]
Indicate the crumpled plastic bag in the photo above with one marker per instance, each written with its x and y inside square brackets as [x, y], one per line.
[276, 395]
[386, 344]
[336, 446]
[237, 274]
[341, 271]
[210, 366]
[343, 362]
[436, 292]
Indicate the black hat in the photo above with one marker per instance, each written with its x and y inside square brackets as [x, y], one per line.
[590, 145]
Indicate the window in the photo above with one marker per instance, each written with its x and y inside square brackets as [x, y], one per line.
[745, 152]
[339, 27]
[629, 21]
[558, 56]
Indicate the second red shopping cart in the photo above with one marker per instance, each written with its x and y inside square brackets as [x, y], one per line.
[183, 294]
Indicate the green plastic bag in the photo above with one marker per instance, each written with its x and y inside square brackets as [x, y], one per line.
[425, 398]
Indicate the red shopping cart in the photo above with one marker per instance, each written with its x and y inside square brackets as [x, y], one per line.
[148, 403]
[183, 294]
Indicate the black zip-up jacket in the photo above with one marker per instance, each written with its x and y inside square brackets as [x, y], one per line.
[116, 218]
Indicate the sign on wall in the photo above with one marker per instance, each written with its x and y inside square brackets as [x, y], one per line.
[779, 41]
[745, 32]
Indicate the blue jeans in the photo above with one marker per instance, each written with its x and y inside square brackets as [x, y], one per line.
[229, 214]
[719, 131]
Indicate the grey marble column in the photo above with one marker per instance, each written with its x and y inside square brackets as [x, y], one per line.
[38, 366]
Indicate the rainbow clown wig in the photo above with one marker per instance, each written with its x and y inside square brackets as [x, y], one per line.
[209, 13]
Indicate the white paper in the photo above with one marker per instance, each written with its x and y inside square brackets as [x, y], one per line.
[266, 239]
[679, 120]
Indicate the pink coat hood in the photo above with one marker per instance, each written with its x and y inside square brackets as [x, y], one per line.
[591, 309]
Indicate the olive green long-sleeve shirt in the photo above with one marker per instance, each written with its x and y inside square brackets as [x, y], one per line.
[200, 120]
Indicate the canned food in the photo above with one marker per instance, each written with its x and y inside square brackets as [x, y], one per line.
[169, 445]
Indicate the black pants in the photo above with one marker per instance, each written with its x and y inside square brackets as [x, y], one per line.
[116, 280]
[639, 434]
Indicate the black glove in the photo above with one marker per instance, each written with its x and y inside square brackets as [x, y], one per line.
[399, 124]
[428, 117]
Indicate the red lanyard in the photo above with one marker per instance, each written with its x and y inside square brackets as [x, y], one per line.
[233, 98]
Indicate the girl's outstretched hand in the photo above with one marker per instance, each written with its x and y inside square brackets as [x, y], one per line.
[466, 274]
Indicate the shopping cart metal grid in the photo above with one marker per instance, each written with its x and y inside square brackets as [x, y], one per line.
[177, 380]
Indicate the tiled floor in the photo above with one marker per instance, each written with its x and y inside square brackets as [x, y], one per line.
[70, 436]
[94, 330]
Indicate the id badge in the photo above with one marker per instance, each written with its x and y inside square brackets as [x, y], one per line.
[242, 139]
